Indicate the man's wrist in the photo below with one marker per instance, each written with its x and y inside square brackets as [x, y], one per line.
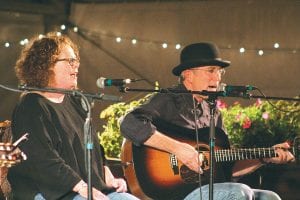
[262, 161]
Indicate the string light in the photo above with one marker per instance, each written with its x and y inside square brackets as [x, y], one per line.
[22, 42]
[75, 29]
[242, 50]
[276, 45]
[260, 52]
[164, 45]
[133, 41]
[118, 39]
[63, 27]
[177, 46]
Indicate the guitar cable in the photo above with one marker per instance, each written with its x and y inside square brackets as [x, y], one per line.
[197, 115]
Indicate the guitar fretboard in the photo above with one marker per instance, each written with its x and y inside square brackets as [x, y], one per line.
[243, 154]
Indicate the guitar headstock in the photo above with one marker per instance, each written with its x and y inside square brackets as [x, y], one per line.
[10, 155]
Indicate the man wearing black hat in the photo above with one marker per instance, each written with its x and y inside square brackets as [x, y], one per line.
[166, 117]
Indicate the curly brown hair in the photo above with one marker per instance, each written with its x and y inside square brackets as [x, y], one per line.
[37, 59]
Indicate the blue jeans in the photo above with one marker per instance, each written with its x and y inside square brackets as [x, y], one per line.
[112, 196]
[232, 191]
[39, 196]
[121, 196]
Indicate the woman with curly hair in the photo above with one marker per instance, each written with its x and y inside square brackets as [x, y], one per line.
[55, 168]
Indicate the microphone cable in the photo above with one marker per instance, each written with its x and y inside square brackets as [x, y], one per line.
[196, 117]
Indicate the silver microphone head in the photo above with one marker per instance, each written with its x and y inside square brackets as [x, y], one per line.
[221, 87]
[100, 82]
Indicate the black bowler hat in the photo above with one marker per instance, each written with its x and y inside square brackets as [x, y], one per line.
[197, 55]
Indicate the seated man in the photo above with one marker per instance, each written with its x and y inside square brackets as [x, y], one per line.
[200, 69]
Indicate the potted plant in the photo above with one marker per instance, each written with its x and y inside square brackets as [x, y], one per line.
[259, 125]
[262, 124]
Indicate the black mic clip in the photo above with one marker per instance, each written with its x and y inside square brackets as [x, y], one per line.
[235, 91]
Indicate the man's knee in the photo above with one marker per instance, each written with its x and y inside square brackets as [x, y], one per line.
[266, 195]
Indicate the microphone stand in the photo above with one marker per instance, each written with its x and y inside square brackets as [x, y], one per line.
[212, 97]
[87, 125]
[212, 137]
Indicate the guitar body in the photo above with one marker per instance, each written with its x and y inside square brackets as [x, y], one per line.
[151, 174]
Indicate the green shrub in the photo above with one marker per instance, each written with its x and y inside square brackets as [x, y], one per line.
[110, 138]
[261, 124]
[257, 125]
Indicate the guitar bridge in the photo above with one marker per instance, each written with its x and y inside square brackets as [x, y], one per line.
[174, 164]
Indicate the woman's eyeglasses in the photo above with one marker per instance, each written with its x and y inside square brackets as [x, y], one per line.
[72, 61]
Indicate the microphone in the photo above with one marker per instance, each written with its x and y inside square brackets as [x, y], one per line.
[235, 90]
[102, 82]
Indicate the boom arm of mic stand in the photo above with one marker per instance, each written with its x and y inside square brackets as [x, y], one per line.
[275, 98]
[169, 90]
[214, 94]
[79, 93]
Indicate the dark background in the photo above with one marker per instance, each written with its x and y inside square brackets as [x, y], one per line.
[231, 24]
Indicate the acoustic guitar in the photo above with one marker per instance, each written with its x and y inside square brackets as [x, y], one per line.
[155, 174]
[10, 154]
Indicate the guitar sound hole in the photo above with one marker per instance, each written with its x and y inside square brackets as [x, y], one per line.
[203, 150]
[187, 175]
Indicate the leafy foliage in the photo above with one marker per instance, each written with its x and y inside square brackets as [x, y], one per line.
[261, 124]
[110, 138]
[257, 125]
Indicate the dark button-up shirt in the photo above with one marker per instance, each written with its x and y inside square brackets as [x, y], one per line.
[174, 108]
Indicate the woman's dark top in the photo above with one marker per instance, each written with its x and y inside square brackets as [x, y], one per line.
[55, 149]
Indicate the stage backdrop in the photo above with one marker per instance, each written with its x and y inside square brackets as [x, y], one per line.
[254, 25]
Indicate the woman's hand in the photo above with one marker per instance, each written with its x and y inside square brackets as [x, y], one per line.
[82, 189]
[118, 183]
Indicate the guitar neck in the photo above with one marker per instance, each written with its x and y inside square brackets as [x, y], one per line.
[244, 154]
